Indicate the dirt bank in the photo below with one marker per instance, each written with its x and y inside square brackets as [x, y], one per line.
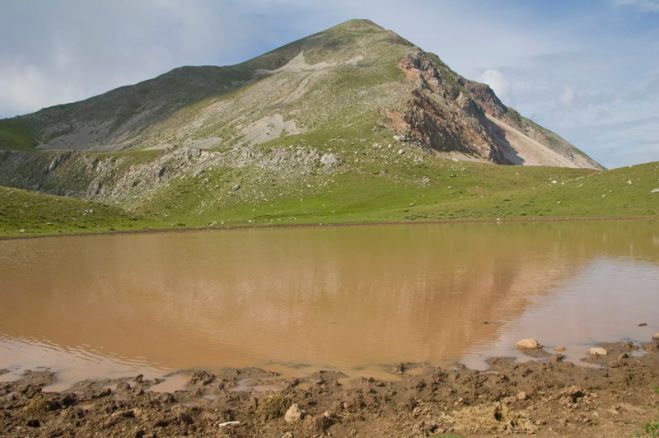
[615, 397]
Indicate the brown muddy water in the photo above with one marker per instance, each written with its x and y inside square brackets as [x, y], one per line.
[293, 300]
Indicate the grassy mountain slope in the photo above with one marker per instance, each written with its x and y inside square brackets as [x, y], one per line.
[353, 71]
[440, 190]
[353, 124]
[425, 191]
[23, 213]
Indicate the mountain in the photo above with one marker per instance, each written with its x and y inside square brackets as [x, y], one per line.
[353, 124]
[344, 83]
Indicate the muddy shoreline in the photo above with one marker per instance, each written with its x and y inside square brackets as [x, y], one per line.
[488, 220]
[548, 396]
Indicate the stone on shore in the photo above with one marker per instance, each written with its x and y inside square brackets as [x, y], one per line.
[293, 414]
[528, 344]
[597, 351]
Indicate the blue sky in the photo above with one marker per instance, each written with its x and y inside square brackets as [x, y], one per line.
[587, 69]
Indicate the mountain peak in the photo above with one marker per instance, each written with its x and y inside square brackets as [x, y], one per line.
[359, 24]
[354, 80]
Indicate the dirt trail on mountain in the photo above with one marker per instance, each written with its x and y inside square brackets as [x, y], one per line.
[617, 396]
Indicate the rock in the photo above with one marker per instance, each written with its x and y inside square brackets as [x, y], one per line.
[656, 190]
[293, 414]
[521, 395]
[572, 393]
[235, 187]
[642, 324]
[623, 356]
[560, 349]
[528, 344]
[33, 423]
[202, 377]
[597, 351]
[229, 423]
[329, 160]
[656, 336]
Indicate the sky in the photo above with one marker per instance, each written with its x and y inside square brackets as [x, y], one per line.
[588, 70]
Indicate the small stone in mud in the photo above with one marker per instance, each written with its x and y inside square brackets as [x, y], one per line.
[560, 349]
[400, 369]
[203, 377]
[123, 386]
[528, 344]
[293, 413]
[597, 351]
[642, 324]
[102, 393]
[521, 395]
[572, 393]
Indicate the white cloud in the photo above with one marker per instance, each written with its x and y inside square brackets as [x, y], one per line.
[82, 48]
[567, 96]
[497, 82]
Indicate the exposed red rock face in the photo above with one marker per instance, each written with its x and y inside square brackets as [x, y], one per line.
[450, 114]
[442, 115]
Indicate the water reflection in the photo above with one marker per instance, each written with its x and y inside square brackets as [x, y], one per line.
[347, 297]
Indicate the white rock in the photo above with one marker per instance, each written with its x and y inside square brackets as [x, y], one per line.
[229, 423]
[655, 190]
[329, 160]
[597, 351]
[527, 344]
[293, 413]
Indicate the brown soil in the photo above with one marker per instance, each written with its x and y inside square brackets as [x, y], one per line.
[544, 397]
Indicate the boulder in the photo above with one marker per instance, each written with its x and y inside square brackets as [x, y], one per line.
[330, 160]
[597, 351]
[528, 344]
[293, 414]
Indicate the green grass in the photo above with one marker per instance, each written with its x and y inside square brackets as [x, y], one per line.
[28, 213]
[453, 191]
[371, 185]
[650, 430]
[15, 134]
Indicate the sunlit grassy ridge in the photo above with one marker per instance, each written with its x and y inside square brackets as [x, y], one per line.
[439, 191]
[23, 213]
[249, 145]
[426, 191]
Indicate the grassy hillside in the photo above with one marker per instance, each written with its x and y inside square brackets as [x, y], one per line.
[16, 134]
[438, 191]
[426, 191]
[24, 213]
[351, 72]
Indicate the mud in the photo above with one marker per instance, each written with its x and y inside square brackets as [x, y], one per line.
[615, 395]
